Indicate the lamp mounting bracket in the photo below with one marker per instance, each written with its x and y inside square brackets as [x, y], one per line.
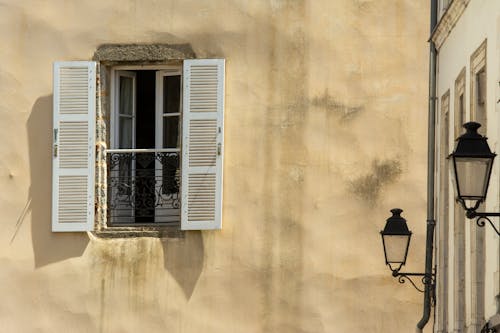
[482, 218]
[426, 279]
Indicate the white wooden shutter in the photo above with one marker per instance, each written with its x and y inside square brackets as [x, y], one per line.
[73, 155]
[202, 145]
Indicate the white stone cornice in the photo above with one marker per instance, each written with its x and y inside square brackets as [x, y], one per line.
[448, 21]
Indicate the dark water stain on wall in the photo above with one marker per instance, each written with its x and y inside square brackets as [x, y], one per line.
[329, 103]
[282, 254]
[368, 187]
[298, 108]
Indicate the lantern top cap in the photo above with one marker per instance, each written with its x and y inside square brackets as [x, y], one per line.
[472, 127]
[471, 144]
[396, 224]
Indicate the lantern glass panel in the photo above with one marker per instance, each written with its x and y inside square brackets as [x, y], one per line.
[472, 177]
[396, 247]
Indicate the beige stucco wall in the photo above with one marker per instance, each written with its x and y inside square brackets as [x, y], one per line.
[325, 131]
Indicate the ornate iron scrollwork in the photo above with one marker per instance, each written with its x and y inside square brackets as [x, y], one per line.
[143, 187]
[403, 278]
[427, 280]
[482, 217]
[481, 222]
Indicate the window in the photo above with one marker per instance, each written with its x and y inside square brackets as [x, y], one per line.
[459, 105]
[144, 159]
[478, 113]
[443, 228]
[459, 256]
[478, 87]
[164, 164]
[444, 4]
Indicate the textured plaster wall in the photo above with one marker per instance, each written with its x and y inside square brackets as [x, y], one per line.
[325, 132]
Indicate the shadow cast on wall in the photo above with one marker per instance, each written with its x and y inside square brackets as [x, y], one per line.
[184, 260]
[48, 247]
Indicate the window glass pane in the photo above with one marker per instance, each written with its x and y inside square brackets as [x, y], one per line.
[126, 95]
[125, 132]
[461, 109]
[480, 107]
[171, 93]
[171, 131]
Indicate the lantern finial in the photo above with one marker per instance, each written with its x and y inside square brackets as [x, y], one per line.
[472, 127]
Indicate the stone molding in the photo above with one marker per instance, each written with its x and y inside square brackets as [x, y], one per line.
[144, 53]
[448, 22]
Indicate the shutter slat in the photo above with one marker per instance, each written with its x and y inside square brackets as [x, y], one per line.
[73, 165]
[202, 144]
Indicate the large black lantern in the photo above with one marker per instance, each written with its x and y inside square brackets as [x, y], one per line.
[472, 163]
[396, 240]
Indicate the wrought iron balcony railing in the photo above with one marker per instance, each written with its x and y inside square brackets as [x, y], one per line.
[143, 186]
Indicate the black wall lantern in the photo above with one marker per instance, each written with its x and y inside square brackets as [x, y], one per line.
[472, 162]
[396, 242]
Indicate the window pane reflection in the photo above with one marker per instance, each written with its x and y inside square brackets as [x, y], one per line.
[171, 132]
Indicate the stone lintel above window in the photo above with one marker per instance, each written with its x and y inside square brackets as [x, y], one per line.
[110, 54]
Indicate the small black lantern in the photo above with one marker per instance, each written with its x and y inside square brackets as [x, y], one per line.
[396, 240]
[472, 163]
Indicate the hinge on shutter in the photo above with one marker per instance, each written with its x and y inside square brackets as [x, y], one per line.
[55, 142]
[219, 145]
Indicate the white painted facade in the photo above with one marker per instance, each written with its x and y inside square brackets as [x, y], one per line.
[467, 39]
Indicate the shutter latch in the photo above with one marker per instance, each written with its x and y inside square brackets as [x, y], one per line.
[55, 142]
[219, 149]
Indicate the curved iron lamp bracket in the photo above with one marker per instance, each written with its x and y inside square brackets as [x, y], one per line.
[426, 279]
[482, 218]
[481, 221]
